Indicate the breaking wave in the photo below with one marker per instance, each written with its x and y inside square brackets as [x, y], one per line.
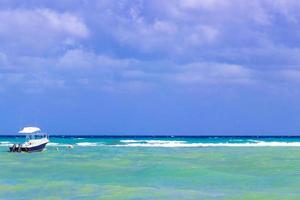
[54, 144]
[172, 144]
[129, 141]
[176, 144]
[85, 144]
[153, 141]
[5, 143]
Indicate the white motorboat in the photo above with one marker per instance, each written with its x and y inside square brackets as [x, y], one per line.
[35, 140]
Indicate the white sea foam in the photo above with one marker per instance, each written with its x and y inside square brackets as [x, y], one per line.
[153, 141]
[173, 144]
[85, 144]
[57, 144]
[5, 143]
[53, 144]
[79, 138]
[254, 140]
[164, 142]
[129, 141]
[184, 144]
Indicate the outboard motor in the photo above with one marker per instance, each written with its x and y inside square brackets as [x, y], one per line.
[13, 148]
[19, 148]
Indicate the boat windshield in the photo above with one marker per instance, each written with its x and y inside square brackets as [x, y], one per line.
[36, 136]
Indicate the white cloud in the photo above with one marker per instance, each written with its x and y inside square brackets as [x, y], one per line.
[81, 59]
[78, 68]
[164, 27]
[200, 35]
[151, 43]
[41, 20]
[290, 75]
[214, 73]
[194, 4]
[3, 60]
[64, 22]
[38, 31]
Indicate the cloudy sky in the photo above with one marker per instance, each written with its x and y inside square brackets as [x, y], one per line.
[150, 67]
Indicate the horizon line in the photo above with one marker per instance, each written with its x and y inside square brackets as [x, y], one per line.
[117, 136]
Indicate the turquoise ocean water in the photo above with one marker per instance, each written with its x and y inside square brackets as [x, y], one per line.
[153, 168]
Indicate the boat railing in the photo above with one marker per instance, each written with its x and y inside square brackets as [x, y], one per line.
[37, 136]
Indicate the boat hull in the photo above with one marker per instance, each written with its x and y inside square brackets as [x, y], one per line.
[37, 148]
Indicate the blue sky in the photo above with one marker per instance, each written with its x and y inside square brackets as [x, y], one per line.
[150, 67]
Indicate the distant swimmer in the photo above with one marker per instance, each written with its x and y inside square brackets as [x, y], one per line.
[70, 147]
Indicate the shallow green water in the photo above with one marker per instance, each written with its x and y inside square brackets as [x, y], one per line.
[117, 172]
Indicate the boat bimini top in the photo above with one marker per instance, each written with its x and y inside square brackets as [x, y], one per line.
[33, 133]
[30, 130]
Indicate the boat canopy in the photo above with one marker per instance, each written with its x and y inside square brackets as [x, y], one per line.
[30, 130]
